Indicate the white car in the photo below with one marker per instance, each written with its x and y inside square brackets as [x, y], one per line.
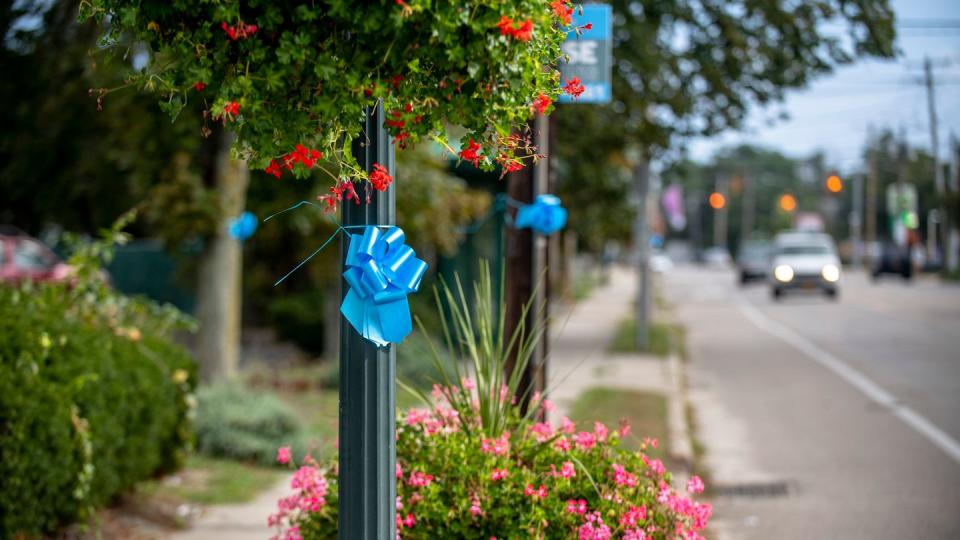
[804, 261]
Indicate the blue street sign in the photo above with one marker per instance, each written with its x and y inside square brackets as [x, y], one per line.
[590, 55]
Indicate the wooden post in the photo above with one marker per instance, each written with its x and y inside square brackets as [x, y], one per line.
[368, 451]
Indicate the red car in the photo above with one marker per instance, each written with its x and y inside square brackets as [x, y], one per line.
[25, 258]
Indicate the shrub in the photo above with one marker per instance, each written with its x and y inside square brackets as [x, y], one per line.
[241, 424]
[94, 397]
[533, 481]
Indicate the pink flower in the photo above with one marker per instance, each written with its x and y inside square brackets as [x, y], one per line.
[409, 521]
[419, 479]
[417, 416]
[497, 447]
[399, 503]
[399, 471]
[499, 474]
[624, 428]
[468, 384]
[633, 515]
[568, 470]
[585, 440]
[651, 442]
[567, 426]
[695, 484]
[542, 431]
[578, 506]
[600, 430]
[475, 509]
[283, 455]
[655, 465]
[623, 478]
[548, 405]
[563, 444]
[538, 493]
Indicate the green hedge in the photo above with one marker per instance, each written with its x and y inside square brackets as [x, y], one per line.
[93, 398]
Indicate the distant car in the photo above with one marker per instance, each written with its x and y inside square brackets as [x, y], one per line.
[753, 260]
[804, 261]
[892, 259]
[716, 256]
[23, 258]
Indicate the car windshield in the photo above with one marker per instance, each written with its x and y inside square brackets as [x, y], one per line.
[800, 249]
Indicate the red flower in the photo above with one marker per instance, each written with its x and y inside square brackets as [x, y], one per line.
[470, 153]
[541, 103]
[274, 169]
[231, 31]
[199, 86]
[505, 25]
[395, 122]
[232, 109]
[562, 11]
[520, 33]
[380, 178]
[588, 26]
[524, 31]
[240, 31]
[574, 87]
[509, 163]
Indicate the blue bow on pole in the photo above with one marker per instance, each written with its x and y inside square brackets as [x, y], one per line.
[544, 216]
[381, 271]
[243, 226]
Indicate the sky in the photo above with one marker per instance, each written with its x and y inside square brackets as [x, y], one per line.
[835, 113]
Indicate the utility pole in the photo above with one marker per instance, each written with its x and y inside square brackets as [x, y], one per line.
[720, 215]
[525, 259]
[855, 219]
[368, 450]
[939, 181]
[870, 213]
[641, 240]
[749, 208]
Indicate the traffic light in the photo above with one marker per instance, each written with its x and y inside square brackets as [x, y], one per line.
[788, 203]
[717, 200]
[834, 184]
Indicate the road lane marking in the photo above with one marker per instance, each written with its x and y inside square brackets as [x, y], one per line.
[856, 379]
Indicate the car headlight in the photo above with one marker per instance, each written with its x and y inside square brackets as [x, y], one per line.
[830, 273]
[783, 273]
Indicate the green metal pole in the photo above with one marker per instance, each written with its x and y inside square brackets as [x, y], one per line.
[368, 452]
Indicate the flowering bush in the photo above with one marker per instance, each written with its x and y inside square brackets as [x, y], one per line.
[535, 480]
[293, 78]
[472, 465]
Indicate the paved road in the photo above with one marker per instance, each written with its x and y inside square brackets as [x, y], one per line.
[852, 406]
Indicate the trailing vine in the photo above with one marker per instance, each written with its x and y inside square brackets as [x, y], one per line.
[293, 79]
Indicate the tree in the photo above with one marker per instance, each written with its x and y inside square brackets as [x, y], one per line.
[685, 69]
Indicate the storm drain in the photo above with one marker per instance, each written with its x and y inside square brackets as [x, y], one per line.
[755, 490]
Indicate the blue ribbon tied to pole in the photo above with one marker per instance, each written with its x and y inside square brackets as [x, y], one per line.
[381, 271]
[545, 215]
[242, 226]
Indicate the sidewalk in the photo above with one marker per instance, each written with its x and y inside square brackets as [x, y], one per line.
[579, 359]
[246, 521]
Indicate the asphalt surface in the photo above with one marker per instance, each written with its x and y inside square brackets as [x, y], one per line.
[826, 419]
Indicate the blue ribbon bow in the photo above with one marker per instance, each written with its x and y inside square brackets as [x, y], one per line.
[243, 226]
[381, 271]
[545, 215]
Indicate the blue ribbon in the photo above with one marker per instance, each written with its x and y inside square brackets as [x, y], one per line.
[242, 226]
[545, 215]
[381, 271]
